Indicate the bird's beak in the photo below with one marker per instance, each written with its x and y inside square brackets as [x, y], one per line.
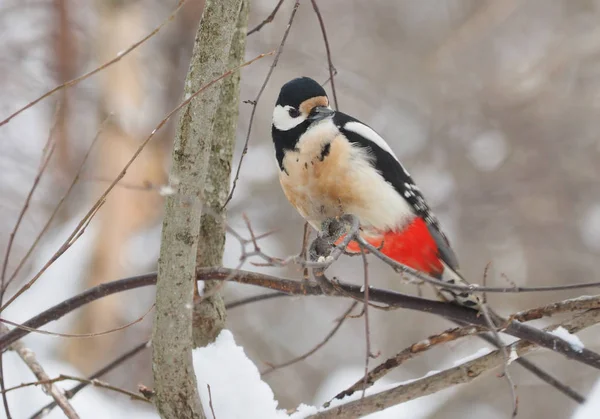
[319, 113]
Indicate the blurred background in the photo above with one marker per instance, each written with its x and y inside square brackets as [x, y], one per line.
[492, 106]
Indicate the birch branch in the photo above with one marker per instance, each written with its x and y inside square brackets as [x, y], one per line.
[29, 358]
[460, 374]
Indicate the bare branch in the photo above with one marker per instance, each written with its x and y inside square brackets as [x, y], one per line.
[586, 302]
[409, 353]
[46, 157]
[344, 290]
[3, 388]
[98, 69]
[181, 323]
[329, 62]
[56, 393]
[80, 335]
[433, 383]
[87, 218]
[472, 288]
[268, 19]
[69, 394]
[327, 338]
[57, 208]
[258, 96]
[212, 410]
[87, 381]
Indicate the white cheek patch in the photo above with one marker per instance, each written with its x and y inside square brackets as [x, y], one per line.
[282, 119]
[370, 135]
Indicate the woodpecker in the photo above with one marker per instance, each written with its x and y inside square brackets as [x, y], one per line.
[331, 164]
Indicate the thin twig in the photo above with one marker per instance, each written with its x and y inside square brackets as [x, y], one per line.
[137, 349]
[58, 206]
[586, 302]
[391, 298]
[47, 153]
[119, 56]
[87, 381]
[410, 352]
[87, 218]
[433, 383]
[327, 49]
[268, 19]
[258, 96]
[254, 299]
[551, 380]
[47, 156]
[304, 251]
[81, 335]
[36, 368]
[3, 388]
[212, 410]
[541, 374]
[327, 338]
[472, 288]
[366, 311]
[69, 394]
[505, 373]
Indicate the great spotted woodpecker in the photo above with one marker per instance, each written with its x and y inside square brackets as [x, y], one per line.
[331, 165]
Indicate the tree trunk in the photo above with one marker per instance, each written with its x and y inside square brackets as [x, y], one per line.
[175, 382]
[209, 312]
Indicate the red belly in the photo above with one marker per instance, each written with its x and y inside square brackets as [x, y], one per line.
[413, 246]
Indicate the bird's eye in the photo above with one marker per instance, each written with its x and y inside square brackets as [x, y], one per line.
[294, 113]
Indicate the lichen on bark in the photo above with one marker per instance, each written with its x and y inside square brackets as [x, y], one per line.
[195, 182]
[209, 312]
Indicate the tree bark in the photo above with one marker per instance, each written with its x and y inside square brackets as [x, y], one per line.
[174, 379]
[209, 311]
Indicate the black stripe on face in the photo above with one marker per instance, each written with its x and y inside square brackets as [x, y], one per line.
[287, 140]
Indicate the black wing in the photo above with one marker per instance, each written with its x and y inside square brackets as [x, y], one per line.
[394, 173]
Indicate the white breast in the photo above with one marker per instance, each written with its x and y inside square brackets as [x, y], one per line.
[385, 209]
[344, 182]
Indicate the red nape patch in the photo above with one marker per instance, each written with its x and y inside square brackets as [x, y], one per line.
[413, 246]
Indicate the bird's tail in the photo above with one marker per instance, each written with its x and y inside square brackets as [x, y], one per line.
[416, 248]
[461, 297]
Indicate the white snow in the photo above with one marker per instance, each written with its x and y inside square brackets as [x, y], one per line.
[236, 388]
[238, 392]
[573, 340]
[91, 403]
[513, 356]
[414, 409]
[166, 190]
[590, 409]
[479, 353]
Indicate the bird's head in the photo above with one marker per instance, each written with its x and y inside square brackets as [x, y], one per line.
[300, 101]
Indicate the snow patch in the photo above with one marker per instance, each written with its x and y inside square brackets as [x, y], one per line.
[236, 388]
[481, 352]
[513, 356]
[590, 409]
[573, 340]
[238, 392]
[415, 409]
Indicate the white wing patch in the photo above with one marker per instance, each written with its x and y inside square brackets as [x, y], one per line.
[370, 135]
